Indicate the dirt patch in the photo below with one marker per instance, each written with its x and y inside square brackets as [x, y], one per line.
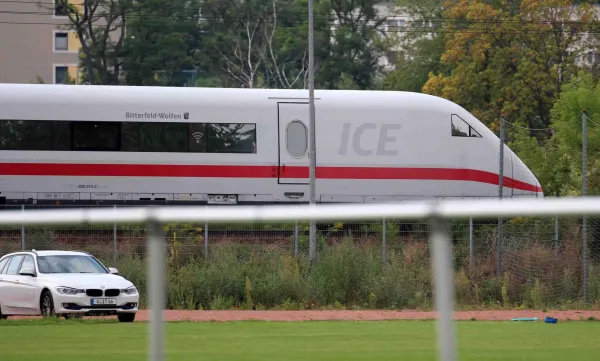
[345, 315]
[367, 315]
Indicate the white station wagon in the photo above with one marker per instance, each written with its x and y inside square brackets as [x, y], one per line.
[50, 283]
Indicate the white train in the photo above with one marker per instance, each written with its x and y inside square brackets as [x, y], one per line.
[104, 144]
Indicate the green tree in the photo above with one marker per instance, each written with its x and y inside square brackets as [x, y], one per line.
[358, 41]
[163, 39]
[557, 162]
[100, 27]
[510, 57]
[421, 47]
[260, 43]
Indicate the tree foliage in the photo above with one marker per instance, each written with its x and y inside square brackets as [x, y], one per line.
[420, 47]
[100, 27]
[228, 43]
[557, 162]
[511, 57]
[163, 42]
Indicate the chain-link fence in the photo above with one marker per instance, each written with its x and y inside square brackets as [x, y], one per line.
[382, 264]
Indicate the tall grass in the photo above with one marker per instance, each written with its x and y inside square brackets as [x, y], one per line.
[256, 268]
[352, 275]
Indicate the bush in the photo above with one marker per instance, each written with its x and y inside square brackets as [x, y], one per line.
[351, 275]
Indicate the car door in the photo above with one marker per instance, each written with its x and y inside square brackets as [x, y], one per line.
[11, 285]
[3, 291]
[26, 286]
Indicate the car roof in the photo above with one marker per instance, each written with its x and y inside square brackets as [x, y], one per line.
[61, 253]
[49, 253]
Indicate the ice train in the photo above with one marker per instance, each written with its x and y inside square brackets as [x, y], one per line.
[110, 145]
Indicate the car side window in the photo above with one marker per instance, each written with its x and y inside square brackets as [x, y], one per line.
[13, 266]
[27, 263]
[3, 263]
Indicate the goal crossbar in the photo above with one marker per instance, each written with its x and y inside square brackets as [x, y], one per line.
[437, 212]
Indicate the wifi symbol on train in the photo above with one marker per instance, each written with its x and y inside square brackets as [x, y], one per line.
[197, 137]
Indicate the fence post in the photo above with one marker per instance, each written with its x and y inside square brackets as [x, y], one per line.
[556, 245]
[471, 242]
[115, 240]
[156, 289]
[500, 193]
[23, 230]
[440, 240]
[384, 245]
[584, 230]
[206, 240]
[296, 239]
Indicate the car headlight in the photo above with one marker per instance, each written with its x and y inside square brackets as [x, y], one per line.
[69, 290]
[129, 291]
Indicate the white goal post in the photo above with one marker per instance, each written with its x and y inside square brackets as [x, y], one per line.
[436, 212]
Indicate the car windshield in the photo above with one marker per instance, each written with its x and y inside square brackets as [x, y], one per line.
[69, 264]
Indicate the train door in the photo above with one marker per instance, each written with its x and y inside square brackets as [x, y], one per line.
[293, 143]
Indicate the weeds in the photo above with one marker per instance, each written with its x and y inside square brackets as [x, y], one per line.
[349, 275]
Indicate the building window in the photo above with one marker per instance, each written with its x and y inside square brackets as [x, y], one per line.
[460, 128]
[61, 41]
[591, 57]
[395, 24]
[61, 74]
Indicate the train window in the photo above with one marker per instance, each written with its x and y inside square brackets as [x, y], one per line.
[296, 139]
[96, 136]
[130, 137]
[163, 137]
[24, 135]
[61, 136]
[231, 138]
[460, 128]
[197, 138]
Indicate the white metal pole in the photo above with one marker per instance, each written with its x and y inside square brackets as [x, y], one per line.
[444, 288]
[584, 228]
[156, 289]
[312, 130]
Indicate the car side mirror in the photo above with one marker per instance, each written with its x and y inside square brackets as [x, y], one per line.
[27, 272]
[113, 270]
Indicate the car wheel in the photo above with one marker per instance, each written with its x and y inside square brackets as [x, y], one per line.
[126, 317]
[47, 305]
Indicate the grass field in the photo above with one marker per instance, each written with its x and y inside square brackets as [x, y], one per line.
[99, 340]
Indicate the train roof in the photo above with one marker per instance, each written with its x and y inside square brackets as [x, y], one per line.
[97, 95]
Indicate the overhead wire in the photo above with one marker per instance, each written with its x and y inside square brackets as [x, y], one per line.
[431, 21]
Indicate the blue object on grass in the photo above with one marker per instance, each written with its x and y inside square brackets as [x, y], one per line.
[550, 320]
[525, 319]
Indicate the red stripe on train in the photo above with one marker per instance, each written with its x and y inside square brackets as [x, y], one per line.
[242, 171]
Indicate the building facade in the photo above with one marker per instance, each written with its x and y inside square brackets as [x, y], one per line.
[35, 45]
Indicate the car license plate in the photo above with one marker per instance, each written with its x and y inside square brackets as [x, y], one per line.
[104, 301]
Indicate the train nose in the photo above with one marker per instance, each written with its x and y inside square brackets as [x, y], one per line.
[527, 183]
[535, 184]
[540, 191]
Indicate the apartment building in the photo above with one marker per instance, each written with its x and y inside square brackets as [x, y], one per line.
[34, 43]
